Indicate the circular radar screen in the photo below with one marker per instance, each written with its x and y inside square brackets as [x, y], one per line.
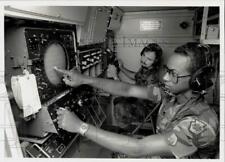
[54, 56]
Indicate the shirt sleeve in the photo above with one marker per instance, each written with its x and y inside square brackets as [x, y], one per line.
[154, 93]
[188, 135]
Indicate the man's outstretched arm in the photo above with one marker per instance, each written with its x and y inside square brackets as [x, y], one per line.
[74, 78]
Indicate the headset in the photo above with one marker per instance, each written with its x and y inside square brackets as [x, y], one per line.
[200, 80]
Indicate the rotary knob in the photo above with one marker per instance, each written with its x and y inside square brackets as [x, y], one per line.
[84, 62]
[80, 102]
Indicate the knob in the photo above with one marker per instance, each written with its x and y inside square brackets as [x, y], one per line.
[43, 40]
[39, 87]
[38, 69]
[80, 102]
[84, 62]
[45, 84]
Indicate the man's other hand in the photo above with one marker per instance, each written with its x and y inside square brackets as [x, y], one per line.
[68, 121]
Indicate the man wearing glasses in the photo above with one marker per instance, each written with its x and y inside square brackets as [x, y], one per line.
[186, 126]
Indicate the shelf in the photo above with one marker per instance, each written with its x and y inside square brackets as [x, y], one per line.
[205, 28]
[210, 41]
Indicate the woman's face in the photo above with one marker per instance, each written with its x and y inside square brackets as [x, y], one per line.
[147, 59]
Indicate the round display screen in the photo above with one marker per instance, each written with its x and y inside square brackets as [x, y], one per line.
[55, 56]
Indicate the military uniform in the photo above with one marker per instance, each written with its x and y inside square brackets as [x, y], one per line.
[146, 76]
[190, 125]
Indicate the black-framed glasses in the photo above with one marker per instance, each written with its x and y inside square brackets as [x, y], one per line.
[173, 75]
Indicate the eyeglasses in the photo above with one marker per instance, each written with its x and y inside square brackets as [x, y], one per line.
[173, 75]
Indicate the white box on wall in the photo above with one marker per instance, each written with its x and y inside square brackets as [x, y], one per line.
[212, 32]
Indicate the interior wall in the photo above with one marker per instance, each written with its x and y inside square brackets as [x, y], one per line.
[130, 40]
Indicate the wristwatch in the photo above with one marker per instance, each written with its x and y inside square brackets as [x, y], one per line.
[83, 128]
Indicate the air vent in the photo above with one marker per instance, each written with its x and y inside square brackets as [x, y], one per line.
[149, 25]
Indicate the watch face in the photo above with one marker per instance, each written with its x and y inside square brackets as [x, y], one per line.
[84, 126]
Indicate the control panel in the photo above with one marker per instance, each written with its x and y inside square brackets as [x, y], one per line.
[39, 50]
[42, 46]
[83, 101]
[90, 58]
[53, 147]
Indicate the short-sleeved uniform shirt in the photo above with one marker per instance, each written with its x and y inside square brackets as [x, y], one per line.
[190, 126]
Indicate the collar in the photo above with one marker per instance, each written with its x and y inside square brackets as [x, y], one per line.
[185, 97]
[145, 70]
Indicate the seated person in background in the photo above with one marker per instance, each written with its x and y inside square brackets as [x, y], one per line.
[186, 126]
[146, 75]
[150, 63]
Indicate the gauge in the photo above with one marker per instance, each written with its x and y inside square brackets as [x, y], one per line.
[55, 56]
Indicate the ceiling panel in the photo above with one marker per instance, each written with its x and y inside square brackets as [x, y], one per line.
[141, 9]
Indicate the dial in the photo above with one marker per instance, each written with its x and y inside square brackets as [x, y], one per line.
[55, 56]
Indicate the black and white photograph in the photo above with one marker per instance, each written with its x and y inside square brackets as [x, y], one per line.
[112, 81]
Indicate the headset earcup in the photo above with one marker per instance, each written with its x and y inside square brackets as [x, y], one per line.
[200, 80]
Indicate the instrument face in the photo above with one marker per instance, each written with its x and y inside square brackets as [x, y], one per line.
[48, 48]
[55, 56]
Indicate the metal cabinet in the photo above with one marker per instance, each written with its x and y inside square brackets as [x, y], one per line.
[64, 14]
[208, 25]
[95, 27]
[115, 19]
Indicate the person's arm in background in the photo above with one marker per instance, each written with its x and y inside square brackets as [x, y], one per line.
[130, 74]
[112, 73]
